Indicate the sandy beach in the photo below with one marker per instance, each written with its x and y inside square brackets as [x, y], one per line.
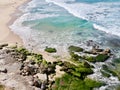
[7, 8]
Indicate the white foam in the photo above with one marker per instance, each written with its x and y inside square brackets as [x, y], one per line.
[30, 36]
[114, 31]
[104, 14]
[110, 81]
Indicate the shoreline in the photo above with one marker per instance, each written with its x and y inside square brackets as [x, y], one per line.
[26, 62]
[8, 10]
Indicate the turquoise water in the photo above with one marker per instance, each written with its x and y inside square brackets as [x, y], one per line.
[69, 22]
[63, 23]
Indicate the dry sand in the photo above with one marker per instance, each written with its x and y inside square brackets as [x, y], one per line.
[7, 8]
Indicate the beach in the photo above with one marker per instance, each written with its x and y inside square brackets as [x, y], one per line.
[59, 45]
[7, 10]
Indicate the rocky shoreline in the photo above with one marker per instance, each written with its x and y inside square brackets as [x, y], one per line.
[24, 70]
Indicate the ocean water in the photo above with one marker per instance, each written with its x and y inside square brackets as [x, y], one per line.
[61, 23]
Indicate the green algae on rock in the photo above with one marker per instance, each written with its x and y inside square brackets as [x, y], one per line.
[50, 50]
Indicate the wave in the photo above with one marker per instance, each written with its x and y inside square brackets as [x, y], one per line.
[105, 14]
[113, 32]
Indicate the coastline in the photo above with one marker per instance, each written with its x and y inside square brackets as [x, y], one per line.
[8, 9]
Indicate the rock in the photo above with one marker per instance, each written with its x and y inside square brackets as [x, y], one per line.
[36, 65]
[22, 66]
[42, 77]
[86, 65]
[99, 50]
[75, 49]
[32, 62]
[3, 45]
[13, 53]
[7, 51]
[31, 83]
[44, 70]
[3, 70]
[20, 60]
[43, 86]
[50, 50]
[28, 70]
[37, 82]
[50, 70]
[107, 51]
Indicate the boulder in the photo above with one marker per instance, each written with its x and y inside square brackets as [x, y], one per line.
[42, 77]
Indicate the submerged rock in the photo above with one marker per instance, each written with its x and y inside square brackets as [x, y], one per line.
[50, 50]
[75, 49]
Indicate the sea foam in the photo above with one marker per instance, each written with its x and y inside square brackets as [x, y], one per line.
[106, 15]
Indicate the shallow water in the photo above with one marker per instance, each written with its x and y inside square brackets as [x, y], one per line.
[68, 22]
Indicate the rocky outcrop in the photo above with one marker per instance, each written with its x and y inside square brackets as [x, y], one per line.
[21, 72]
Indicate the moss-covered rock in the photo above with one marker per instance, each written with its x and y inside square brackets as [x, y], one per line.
[76, 70]
[68, 65]
[76, 74]
[86, 65]
[69, 82]
[74, 56]
[75, 49]
[84, 70]
[50, 50]
[23, 51]
[93, 83]
[47, 67]
[109, 70]
[117, 60]
[38, 58]
[98, 58]
[90, 58]
[101, 58]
